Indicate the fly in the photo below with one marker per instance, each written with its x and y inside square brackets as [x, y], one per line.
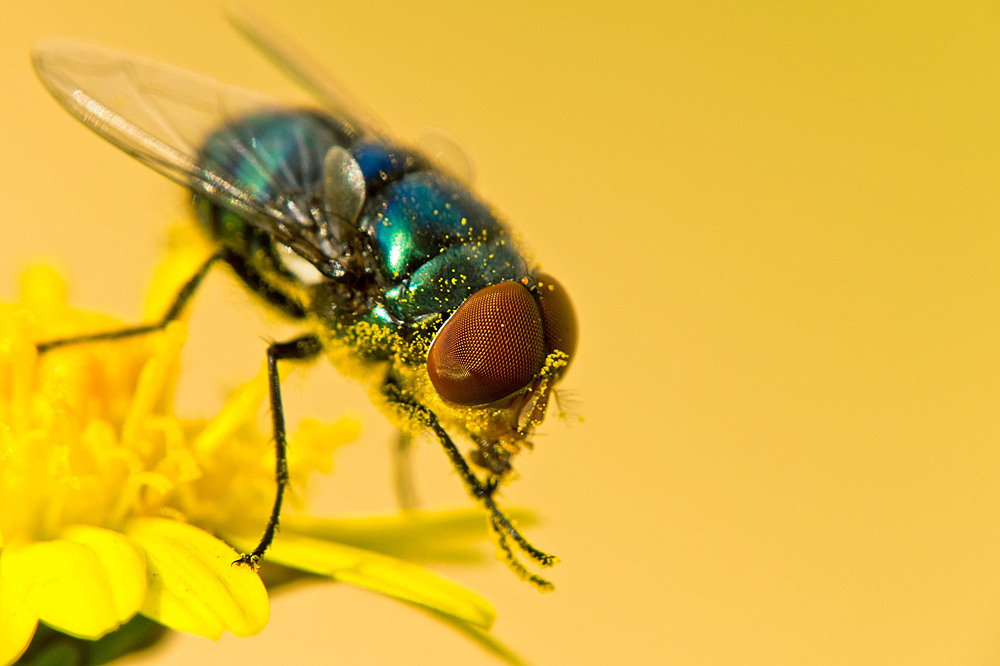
[419, 289]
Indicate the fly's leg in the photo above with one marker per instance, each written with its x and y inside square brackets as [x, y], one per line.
[299, 349]
[180, 300]
[402, 471]
[500, 526]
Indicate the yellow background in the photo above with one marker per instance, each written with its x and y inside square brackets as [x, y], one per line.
[780, 222]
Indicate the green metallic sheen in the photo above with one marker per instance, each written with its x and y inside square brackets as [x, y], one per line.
[436, 244]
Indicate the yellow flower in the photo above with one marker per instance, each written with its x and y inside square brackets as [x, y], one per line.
[114, 509]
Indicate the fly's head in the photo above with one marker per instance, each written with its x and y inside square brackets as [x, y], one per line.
[495, 360]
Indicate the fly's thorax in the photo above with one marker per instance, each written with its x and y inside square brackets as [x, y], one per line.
[433, 244]
[357, 337]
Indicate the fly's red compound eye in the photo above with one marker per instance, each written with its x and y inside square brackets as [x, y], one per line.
[558, 315]
[491, 347]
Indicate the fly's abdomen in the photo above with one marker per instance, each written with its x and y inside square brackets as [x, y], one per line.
[288, 150]
[254, 258]
[286, 163]
[273, 156]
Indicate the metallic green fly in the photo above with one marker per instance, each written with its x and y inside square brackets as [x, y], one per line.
[410, 282]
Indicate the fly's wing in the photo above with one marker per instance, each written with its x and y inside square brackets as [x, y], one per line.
[162, 115]
[305, 71]
[438, 146]
[444, 150]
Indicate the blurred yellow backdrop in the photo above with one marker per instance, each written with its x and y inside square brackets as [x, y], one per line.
[780, 222]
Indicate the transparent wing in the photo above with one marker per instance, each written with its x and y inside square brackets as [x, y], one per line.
[161, 115]
[444, 150]
[438, 146]
[305, 71]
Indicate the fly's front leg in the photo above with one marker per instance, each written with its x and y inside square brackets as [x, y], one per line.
[299, 349]
[500, 525]
[180, 300]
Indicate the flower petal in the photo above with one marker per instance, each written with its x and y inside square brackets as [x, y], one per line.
[450, 536]
[193, 585]
[76, 585]
[482, 638]
[17, 625]
[381, 573]
[124, 565]
[187, 250]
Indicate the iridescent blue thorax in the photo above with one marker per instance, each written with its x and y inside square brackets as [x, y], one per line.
[426, 241]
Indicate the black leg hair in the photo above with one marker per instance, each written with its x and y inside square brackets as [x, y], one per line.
[500, 526]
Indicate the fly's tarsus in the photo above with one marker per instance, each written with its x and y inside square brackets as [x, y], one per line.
[501, 529]
[507, 556]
